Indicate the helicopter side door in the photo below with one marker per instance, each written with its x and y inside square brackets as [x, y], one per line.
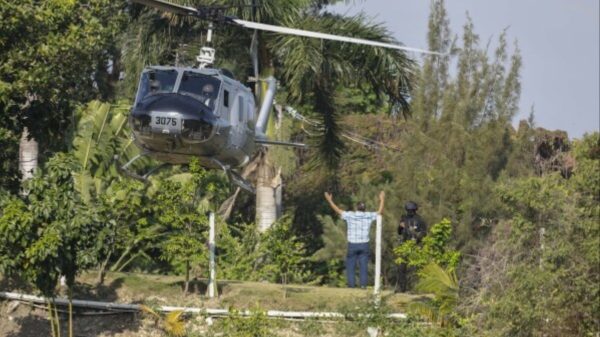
[232, 153]
[238, 121]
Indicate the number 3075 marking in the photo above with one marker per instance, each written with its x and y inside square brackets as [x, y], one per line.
[165, 121]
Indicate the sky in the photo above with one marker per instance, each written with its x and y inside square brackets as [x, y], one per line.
[559, 42]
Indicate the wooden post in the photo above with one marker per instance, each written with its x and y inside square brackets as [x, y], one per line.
[212, 281]
[377, 287]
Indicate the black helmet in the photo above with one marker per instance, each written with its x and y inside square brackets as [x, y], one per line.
[411, 206]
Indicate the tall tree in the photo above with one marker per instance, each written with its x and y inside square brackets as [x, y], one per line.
[538, 274]
[449, 161]
[51, 60]
[311, 71]
[50, 233]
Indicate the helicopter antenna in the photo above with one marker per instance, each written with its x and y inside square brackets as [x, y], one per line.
[206, 57]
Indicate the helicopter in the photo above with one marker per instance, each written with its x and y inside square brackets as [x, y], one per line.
[180, 113]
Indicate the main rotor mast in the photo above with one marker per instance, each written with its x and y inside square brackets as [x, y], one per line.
[206, 57]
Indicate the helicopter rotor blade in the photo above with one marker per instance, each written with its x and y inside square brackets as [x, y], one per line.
[202, 14]
[324, 36]
[169, 7]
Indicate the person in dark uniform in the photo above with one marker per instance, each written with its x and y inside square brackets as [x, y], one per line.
[411, 227]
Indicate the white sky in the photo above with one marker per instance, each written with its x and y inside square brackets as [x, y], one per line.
[559, 42]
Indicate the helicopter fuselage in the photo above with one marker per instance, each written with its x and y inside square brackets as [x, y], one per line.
[184, 113]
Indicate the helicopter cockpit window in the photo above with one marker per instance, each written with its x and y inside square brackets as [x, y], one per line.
[202, 87]
[156, 81]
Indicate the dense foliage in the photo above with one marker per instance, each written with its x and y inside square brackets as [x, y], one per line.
[512, 248]
[432, 249]
[52, 60]
[51, 232]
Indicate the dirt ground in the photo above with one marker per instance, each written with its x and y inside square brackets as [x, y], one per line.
[23, 320]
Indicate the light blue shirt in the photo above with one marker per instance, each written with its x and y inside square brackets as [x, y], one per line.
[359, 224]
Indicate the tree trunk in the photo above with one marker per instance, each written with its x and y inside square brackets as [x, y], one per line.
[56, 319]
[28, 156]
[186, 287]
[102, 271]
[51, 319]
[267, 183]
[70, 313]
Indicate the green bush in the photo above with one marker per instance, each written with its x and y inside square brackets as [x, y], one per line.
[236, 325]
[433, 248]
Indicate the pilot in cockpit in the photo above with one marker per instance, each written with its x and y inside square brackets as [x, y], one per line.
[208, 95]
[154, 86]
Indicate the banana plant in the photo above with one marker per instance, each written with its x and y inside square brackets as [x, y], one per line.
[101, 135]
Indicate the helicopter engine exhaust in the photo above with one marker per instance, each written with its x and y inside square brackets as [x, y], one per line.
[263, 115]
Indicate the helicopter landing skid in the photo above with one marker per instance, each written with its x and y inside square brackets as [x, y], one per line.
[235, 177]
[143, 178]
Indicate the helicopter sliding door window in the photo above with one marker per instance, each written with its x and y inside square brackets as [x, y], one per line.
[226, 98]
[156, 81]
[201, 87]
[241, 114]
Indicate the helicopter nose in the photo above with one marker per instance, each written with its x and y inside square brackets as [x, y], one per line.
[196, 129]
[173, 115]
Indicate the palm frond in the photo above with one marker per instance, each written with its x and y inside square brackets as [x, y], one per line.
[434, 279]
[443, 285]
[312, 69]
[173, 324]
[425, 310]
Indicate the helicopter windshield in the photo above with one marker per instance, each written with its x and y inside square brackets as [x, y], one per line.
[156, 81]
[202, 87]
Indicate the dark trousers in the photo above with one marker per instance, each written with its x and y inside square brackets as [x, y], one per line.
[402, 280]
[360, 252]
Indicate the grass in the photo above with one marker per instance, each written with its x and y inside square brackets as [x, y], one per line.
[167, 290]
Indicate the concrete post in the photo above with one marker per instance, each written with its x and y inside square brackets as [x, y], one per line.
[212, 281]
[378, 234]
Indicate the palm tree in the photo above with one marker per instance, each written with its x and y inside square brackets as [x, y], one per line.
[310, 72]
[28, 156]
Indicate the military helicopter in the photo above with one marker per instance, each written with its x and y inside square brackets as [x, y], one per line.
[182, 113]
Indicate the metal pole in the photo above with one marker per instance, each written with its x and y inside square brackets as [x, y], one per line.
[210, 32]
[212, 282]
[377, 287]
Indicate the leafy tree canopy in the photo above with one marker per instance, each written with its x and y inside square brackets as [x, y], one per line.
[52, 59]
